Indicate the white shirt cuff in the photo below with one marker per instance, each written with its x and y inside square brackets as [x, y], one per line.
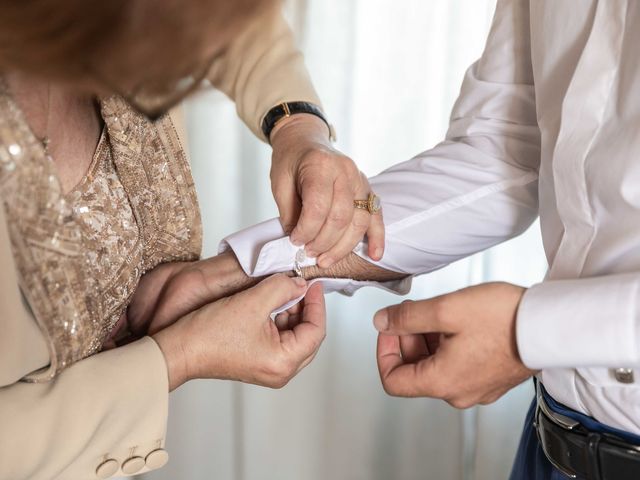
[264, 249]
[589, 322]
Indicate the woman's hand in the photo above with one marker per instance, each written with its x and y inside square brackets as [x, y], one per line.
[235, 338]
[315, 186]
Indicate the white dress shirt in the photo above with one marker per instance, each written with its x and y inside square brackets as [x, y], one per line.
[548, 123]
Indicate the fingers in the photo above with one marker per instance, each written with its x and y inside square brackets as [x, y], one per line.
[433, 342]
[375, 237]
[306, 337]
[337, 222]
[289, 319]
[361, 221]
[404, 379]
[410, 317]
[274, 292]
[354, 235]
[289, 206]
[317, 197]
[413, 348]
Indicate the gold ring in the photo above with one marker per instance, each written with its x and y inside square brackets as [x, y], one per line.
[371, 204]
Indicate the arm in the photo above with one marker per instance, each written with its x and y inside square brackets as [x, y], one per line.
[109, 406]
[113, 406]
[314, 185]
[100, 408]
[472, 191]
[263, 68]
[353, 267]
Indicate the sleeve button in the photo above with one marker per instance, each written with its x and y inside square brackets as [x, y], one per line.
[157, 458]
[132, 465]
[107, 469]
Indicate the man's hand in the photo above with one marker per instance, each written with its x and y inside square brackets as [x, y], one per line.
[459, 347]
[315, 186]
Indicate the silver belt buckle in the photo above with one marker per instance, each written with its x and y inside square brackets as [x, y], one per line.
[560, 420]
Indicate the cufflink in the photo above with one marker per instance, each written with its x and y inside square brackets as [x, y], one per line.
[107, 469]
[624, 375]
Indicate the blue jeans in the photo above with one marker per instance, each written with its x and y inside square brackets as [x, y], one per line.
[531, 462]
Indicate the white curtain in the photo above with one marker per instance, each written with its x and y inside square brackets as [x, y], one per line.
[388, 72]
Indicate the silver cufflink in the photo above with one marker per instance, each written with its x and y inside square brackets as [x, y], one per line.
[624, 375]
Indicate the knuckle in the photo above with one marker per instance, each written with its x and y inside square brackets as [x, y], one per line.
[389, 389]
[361, 222]
[340, 217]
[460, 403]
[279, 383]
[280, 370]
[315, 210]
[402, 318]
[442, 307]
[321, 162]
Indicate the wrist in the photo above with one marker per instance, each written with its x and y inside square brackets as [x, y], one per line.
[354, 268]
[300, 127]
[169, 342]
[223, 275]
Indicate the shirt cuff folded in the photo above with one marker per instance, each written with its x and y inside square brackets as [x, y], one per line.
[589, 322]
[264, 249]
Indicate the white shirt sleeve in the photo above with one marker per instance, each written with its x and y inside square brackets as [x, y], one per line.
[582, 322]
[264, 249]
[472, 191]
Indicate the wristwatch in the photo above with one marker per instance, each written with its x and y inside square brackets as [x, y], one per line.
[287, 109]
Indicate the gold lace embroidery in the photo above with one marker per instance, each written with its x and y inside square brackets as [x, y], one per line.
[80, 256]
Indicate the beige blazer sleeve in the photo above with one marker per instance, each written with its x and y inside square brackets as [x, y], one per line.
[110, 406]
[263, 68]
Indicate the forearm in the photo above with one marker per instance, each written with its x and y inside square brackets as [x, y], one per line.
[222, 275]
[263, 68]
[66, 428]
[355, 268]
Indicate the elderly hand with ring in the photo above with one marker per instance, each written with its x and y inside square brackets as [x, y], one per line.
[317, 190]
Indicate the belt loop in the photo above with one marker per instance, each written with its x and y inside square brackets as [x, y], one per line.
[593, 454]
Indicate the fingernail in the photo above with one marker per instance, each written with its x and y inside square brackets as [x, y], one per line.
[311, 253]
[378, 253]
[301, 282]
[325, 262]
[381, 320]
[295, 239]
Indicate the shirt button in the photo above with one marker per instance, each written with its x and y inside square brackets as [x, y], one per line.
[624, 375]
[107, 469]
[132, 465]
[157, 458]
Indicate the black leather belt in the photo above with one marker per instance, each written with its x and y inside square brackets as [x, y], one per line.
[580, 453]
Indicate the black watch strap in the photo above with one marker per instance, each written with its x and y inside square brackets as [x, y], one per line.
[287, 109]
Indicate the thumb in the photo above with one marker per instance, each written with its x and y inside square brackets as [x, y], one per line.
[277, 290]
[408, 318]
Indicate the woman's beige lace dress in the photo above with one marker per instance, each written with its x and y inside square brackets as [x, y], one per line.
[80, 255]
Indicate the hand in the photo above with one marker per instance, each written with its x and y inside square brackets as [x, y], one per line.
[235, 338]
[315, 186]
[459, 347]
[172, 290]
